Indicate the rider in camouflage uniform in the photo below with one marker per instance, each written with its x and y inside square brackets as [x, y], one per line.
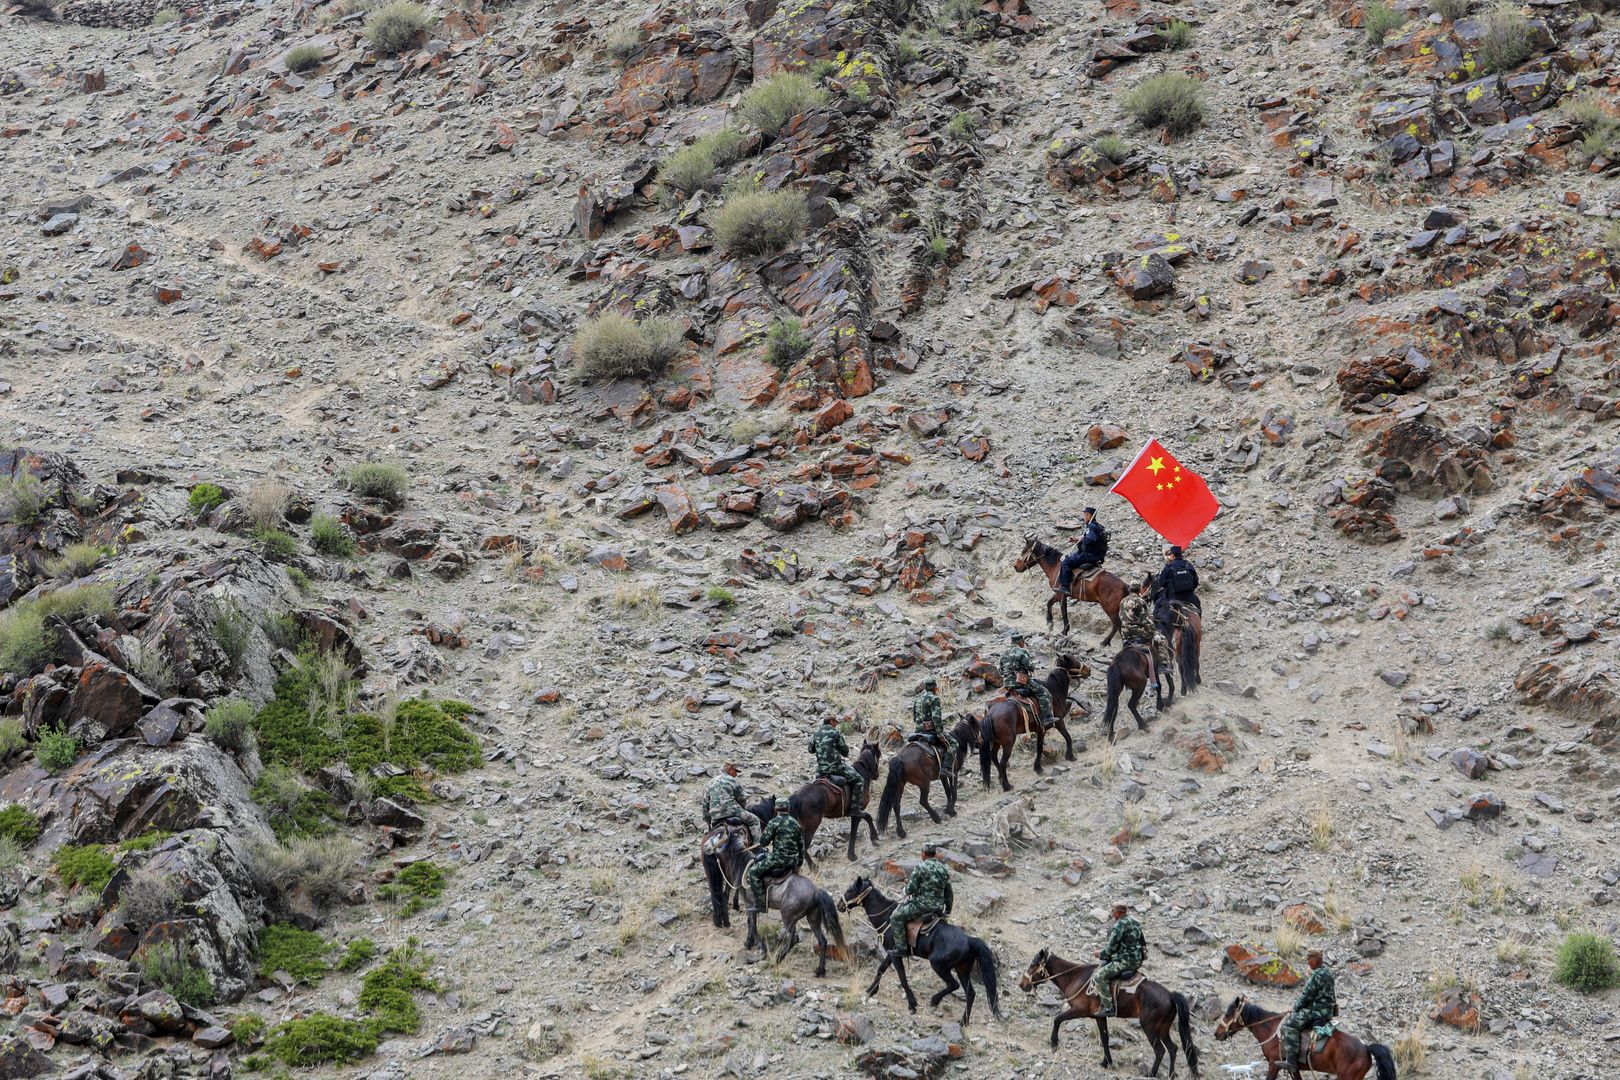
[723, 800]
[1014, 662]
[785, 856]
[929, 719]
[1314, 1007]
[1124, 952]
[830, 749]
[928, 892]
[1137, 628]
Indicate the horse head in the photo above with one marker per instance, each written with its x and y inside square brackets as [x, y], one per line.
[869, 749]
[1037, 972]
[1076, 668]
[1027, 558]
[1145, 590]
[1231, 1020]
[854, 894]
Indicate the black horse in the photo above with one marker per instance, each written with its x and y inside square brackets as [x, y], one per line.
[952, 952]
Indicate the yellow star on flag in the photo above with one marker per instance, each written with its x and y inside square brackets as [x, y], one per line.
[1155, 465]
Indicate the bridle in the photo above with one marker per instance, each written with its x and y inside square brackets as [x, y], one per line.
[846, 903]
[1047, 974]
[1230, 1028]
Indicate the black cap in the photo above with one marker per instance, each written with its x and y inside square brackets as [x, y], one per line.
[1175, 551]
[1091, 510]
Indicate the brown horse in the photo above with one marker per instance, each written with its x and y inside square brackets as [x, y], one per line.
[1007, 717]
[919, 765]
[1133, 667]
[1102, 588]
[1152, 1006]
[1343, 1056]
[1186, 638]
[822, 799]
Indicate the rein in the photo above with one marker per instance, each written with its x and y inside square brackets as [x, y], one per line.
[1249, 1027]
[1049, 974]
[847, 903]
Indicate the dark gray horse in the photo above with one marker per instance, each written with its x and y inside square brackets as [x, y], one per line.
[795, 897]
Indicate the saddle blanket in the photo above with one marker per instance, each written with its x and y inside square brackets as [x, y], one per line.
[915, 928]
[1121, 986]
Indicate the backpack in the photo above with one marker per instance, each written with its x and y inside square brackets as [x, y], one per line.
[1183, 580]
[1102, 540]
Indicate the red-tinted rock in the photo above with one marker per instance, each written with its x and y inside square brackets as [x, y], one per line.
[677, 507]
[1261, 967]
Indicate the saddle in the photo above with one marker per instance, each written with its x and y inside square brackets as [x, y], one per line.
[1314, 1040]
[1029, 709]
[916, 928]
[836, 785]
[1127, 983]
[927, 742]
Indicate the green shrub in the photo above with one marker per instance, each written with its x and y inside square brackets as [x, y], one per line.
[906, 51]
[84, 864]
[12, 738]
[77, 602]
[786, 343]
[959, 14]
[1508, 40]
[300, 953]
[56, 749]
[284, 631]
[25, 644]
[721, 595]
[357, 954]
[823, 69]
[1586, 962]
[1170, 100]
[387, 991]
[232, 631]
[318, 867]
[770, 105]
[1449, 10]
[146, 841]
[417, 884]
[962, 127]
[21, 499]
[393, 28]
[1601, 127]
[760, 222]
[247, 1028]
[149, 662]
[1112, 147]
[165, 16]
[78, 560]
[615, 346]
[277, 546]
[1179, 34]
[11, 854]
[691, 168]
[170, 966]
[302, 58]
[385, 483]
[229, 724]
[20, 824]
[205, 497]
[938, 247]
[1381, 20]
[293, 808]
[328, 536]
[320, 1039]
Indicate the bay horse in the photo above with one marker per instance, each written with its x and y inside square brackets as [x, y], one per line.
[1186, 638]
[1343, 1056]
[918, 765]
[1151, 1005]
[1132, 668]
[1006, 719]
[820, 799]
[1102, 588]
[952, 952]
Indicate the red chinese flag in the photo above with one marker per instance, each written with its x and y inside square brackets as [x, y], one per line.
[1170, 497]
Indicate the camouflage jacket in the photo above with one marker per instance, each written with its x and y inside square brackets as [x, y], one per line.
[785, 840]
[1135, 620]
[723, 798]
[1316, 1002]
[830, 749]
[926, 710]
[929, 887]
[1125, 945]
[1014, 661]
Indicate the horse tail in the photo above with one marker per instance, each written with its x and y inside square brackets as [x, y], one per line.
[986, 961]
[987, 738]
[1184, 1025]
[890, 802]
[1188, 657]
[828, 910]
[1116, 685]
[1384, 1060]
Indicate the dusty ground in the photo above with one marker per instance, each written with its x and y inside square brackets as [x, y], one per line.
[576, 905]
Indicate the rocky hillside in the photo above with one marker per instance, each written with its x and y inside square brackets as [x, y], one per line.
[437, 438]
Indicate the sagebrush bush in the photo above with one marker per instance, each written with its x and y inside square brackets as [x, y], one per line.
[165, 16]
[150, 897]
[20, 824]
[962, 127]
[149, 662]
[691, 168]
[21, 499]
[375, 480]
[90, 865]
[303, 58]
[319, 865]
[77, 560]
[623, 40]
[1600, 126]
[12, 738]
[232, 630]
[1586, 962]
[25, 644]
[615, 346]
[1380, 21]
[770, 105]
[293, 808]
[1178, 34]
[1508, 40]
[328, 536]
[204, 497]
[56, 749]
[1449, 10]
[229, 724]
[1112, 147]
[265, 503]
[786, 343]
[77, 602]
[1169, 100]
[393, 28]
[759, 222]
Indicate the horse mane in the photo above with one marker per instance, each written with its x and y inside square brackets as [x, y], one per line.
[1041, 550]
[1253, 1014]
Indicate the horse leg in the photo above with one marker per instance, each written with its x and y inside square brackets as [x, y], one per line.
[949, 780]
[854, 827]
[753, 929]
[1068, 743]
[1040, 744]
[943, 970]
[899, 815]
[871, 825]
[905, 984]
[793, 939]
[966, 971]
[821, 946]
[1102, 1033]
[888, 959]
[1065, 615]
[923, 798]
[1049, 602]
[1001, 767]
[1064, 1017]
[1136, 696]
[1156, 1042]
